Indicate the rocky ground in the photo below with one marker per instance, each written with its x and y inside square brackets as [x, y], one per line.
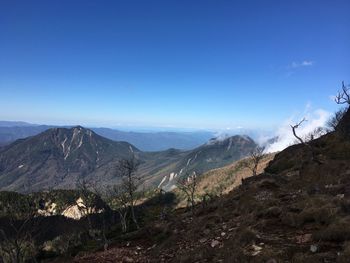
[297, 211]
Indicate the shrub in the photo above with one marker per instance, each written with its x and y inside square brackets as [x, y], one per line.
[321, 215]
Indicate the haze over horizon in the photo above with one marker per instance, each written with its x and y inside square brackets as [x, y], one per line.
[172, 64]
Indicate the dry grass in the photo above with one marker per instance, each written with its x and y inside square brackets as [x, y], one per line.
[222, 180]
[227, 178]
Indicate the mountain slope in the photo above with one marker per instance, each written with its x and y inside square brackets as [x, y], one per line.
[296, 211]
[224, 179]
[214, 154]
[57, 157]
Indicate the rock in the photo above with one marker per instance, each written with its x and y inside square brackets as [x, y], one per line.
[73, 212]
[214, 243]
[43, 212]
[48, 209]
[79, 210]
[313, 248]
[256, 250]
[340, 196]
[203, 240]
[223, 234]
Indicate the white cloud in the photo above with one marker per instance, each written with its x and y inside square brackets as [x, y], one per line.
[305, 63]
[315, 118]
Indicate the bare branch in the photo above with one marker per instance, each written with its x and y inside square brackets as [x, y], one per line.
[126, 169]
[307, 140]
[256, 156]
[188, 185]
[296, 126]
[343, 97]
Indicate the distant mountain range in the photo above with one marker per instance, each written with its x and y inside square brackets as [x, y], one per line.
[59, 157]
[145, 141]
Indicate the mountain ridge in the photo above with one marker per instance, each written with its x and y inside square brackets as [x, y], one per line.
[59, 157]
[146, 141]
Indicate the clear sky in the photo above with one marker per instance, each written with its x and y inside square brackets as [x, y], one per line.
[183, 63]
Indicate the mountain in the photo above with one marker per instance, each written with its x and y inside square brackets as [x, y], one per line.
[214, 154]
[9, 134]
[146, 141]
[57, 157]
[296, 210]
[15, 124]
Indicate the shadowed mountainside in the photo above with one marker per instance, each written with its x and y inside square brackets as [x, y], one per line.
[57, 158]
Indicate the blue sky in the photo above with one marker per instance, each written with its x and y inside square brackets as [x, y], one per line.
[186, 64]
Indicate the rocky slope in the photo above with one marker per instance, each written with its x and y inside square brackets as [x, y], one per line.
[214, 154]
[298, 210]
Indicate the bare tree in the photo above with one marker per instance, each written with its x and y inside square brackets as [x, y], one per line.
[343, 96]
[256, 156]
[316, 133]
[306, 141]
[188, 185]
[296, 126]
[85, 193]
[130, 182]
[92, 194]
[333, 122]
[101, 193]
[118, 199]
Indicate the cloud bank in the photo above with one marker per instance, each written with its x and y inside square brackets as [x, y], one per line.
[315, 118]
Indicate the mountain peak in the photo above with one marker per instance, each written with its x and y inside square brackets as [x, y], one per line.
[57, 157]
[78, 127]
[224, 139]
